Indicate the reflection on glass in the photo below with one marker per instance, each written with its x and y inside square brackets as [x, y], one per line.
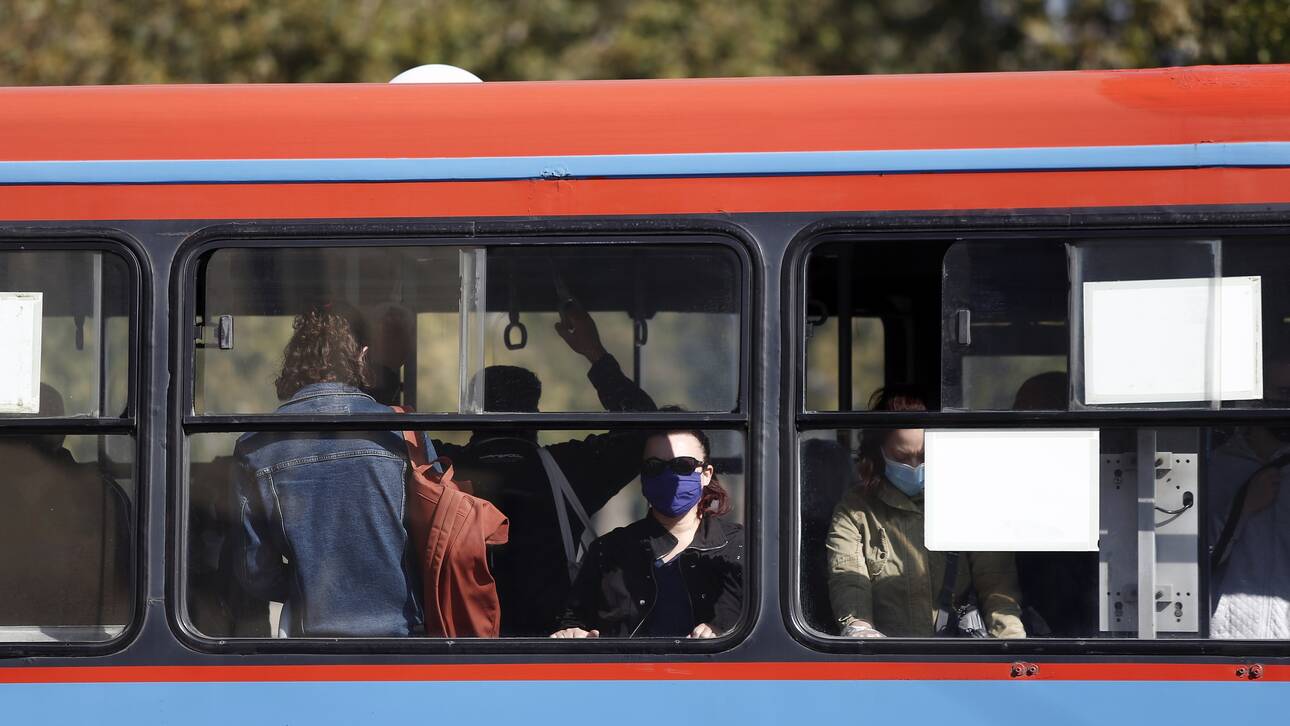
[66, 539]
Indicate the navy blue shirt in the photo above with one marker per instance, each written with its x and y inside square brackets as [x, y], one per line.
[671, 616]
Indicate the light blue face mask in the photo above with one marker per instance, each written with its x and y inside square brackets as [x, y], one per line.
[906, 478]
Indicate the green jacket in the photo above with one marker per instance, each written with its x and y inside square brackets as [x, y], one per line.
[880, 572]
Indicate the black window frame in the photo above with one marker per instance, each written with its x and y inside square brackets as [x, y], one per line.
[134, 424]
[797, 419]
[652, 232]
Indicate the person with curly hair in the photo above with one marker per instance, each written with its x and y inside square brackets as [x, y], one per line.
[322, 514]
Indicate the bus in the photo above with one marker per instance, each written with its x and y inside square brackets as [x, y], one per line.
[1069, 274]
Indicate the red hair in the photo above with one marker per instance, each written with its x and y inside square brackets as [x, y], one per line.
[899, 397]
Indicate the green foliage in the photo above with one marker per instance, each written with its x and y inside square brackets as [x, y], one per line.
[226, 41]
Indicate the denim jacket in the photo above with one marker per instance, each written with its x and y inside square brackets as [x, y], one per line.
[322, 522]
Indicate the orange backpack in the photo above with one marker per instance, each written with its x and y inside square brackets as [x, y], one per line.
[450, 530]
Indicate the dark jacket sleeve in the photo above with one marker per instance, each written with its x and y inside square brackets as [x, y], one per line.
[617, 392]
[730, 599]
[599, 466]
[580, 610]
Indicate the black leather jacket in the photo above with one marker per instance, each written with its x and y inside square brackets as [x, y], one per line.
[615, 590]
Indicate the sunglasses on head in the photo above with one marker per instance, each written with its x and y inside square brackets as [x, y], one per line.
[654, 466]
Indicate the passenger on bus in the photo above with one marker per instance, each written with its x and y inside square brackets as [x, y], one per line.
[322, 526]
[883, 581]
[676, 573]
[65, 535]
[1249, 525]
[533, 571]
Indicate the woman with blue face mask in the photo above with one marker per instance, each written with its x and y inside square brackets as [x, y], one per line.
[677, 572]
[882, 578]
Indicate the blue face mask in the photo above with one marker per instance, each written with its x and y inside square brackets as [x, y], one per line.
[671, 493]
[906, 478]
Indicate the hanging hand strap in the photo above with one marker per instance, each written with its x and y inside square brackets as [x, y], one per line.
[564, 497]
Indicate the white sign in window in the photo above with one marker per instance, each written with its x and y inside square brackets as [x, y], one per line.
[1170, 341]
[1011, 490]
[20, 319]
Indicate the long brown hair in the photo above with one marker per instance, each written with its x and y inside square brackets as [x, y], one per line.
[325, 346]
[715, 499]
[897, 397]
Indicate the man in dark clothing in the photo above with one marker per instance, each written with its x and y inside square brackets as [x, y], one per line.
[533, 570]
[65, 533]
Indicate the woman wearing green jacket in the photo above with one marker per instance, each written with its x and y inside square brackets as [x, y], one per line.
[883, 581]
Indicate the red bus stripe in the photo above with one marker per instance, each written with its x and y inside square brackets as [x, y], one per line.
[631, 672]
[1088, 108]
[1033, 190]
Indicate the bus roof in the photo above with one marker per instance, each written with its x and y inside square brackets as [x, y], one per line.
[988, 110]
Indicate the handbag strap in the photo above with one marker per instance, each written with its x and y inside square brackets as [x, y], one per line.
[945, 600]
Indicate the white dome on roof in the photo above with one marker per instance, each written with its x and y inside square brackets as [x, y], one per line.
[436, 73]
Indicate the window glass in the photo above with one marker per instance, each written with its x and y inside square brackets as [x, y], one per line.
[999, 325]
[1267, 259]
[1145, 322]
[866, 362]
[314, 534]
[1004, 336]
[67, 533]
[891, 294]
[863, 552]
[1020, 324]
[84, 328]
[67, 527]
[433, 318]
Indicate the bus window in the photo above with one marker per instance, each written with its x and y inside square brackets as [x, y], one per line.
[232, 592]
[67, 495]
[437, 316]
[307, 533]
[1010, 341]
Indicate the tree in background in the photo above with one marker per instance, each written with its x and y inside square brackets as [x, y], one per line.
[226, 41]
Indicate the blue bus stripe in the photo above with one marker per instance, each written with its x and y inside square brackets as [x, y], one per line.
[1264, 154]
[610, 703]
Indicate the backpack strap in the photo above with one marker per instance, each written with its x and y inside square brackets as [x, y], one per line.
[418, 444]
[564, 497]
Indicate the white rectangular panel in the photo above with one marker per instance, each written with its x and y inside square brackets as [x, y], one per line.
[1011, 490]
[20, 320]
[1170, 341]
